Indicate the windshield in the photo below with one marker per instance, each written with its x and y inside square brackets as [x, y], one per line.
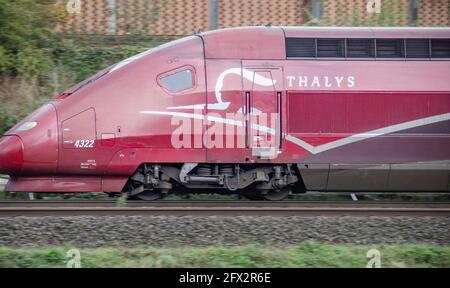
[103, 72]
[118, 66]
[89, 80]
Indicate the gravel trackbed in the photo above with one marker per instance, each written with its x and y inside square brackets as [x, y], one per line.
[130, 231]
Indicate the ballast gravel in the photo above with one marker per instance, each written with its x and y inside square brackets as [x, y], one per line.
[130, 231]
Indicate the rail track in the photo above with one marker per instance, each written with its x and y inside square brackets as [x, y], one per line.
[230, 208]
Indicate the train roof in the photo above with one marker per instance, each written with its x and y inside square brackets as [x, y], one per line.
[368, 32]
[347, 32]
[263, 42]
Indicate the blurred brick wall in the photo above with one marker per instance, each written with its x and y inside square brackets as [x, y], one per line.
[184, 17]
[354, 12]
[434, 13]
[148, 17]
[161, 17]
[93, 18]
[234, 13]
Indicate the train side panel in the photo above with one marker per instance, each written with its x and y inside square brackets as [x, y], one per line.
[374, 125]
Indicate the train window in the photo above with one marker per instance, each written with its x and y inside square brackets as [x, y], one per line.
[178, 81]
[390, 48]
[300, 47]
[360, 48]
[417, 48]
[440, 48]
[333, 48]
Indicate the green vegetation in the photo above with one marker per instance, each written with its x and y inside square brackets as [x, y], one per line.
[121, 200]
[309, 254]
[24, 31]
[392, 13]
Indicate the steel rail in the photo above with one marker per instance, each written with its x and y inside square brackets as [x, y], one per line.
[221, 203]
[273, 209]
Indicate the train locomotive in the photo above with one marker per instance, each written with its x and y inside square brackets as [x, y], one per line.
[259, 111]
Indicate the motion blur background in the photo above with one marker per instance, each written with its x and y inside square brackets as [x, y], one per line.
[47, 46]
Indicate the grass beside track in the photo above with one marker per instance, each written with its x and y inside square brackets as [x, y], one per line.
[308, 254]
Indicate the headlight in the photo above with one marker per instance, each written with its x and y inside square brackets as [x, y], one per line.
[27, 126]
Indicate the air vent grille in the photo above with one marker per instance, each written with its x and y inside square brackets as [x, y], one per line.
[301, 47]
[390, 48]
[440, 48]
[360, 48]
[367, 48]
[331, 48]
[417, 48]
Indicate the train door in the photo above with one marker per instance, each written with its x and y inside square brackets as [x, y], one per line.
[224, 132]
[79, 143]
[263, 89]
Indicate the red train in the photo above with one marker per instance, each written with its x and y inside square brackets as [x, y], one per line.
[260, 111]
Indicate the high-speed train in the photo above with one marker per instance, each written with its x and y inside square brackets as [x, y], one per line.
[260, 111]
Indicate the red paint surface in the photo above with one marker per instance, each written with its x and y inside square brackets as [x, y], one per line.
[345, 113]
[11, 155]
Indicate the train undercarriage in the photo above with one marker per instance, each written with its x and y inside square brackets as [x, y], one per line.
[272, 182]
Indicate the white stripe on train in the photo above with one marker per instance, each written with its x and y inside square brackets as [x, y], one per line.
[310, 148]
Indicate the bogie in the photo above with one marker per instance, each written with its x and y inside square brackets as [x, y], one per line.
[269, 181]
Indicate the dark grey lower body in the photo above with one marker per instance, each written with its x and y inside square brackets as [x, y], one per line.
[415, 160]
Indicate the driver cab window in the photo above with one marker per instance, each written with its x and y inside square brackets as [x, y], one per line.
[178, 81]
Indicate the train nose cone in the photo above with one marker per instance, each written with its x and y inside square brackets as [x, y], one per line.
[11, 155]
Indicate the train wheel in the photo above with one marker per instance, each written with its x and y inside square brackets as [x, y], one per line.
[150, 195]
[277, 195]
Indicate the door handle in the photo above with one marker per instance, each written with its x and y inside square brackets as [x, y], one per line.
[279, 122]
[247, 119]
[247, 102]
